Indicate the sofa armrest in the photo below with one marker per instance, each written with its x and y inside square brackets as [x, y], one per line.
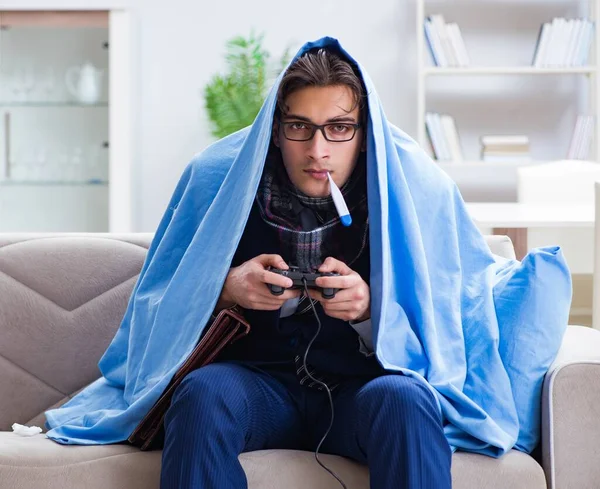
[571, 412]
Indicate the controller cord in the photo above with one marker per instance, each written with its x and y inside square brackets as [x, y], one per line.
[321, 383]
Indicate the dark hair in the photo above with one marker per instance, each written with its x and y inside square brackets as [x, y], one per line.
[321, 68]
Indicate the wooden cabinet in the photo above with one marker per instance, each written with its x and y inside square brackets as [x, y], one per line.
[54, 18]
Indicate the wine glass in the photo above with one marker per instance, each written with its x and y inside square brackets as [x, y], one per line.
[48, 84]
[28, 81]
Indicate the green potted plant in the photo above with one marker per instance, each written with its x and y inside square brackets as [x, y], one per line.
[233, 99]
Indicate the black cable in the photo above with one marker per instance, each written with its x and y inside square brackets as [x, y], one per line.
[323, 384]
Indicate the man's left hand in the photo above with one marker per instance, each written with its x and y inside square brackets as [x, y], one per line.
[352, 302]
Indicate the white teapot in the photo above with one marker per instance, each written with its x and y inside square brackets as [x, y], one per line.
[85, 83]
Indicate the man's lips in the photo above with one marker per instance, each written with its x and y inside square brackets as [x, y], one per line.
[318, 174]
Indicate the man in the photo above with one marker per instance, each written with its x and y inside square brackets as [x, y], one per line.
[431, 344]
[260, 394]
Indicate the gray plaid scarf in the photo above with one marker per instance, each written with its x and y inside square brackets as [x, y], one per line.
[309, 228]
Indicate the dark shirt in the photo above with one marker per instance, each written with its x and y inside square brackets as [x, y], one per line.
[274, 339]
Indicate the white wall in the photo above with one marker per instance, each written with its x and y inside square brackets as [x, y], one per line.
[180, 53]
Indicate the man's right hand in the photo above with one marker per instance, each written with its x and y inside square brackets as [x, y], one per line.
[246, 285]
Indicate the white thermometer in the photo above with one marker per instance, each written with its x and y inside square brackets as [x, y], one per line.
[340, 203]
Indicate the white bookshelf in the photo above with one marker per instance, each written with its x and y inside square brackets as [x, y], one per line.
[476, 164]
[508, 70]
[427, 72]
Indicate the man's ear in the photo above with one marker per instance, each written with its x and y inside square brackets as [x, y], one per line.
[276, 133]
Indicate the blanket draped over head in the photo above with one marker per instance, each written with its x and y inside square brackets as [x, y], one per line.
[444, 309]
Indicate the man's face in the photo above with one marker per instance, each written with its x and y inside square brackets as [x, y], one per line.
[307, 162]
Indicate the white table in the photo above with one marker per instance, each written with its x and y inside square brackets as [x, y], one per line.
[514, 219]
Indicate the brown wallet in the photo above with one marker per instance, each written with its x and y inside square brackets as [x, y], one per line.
[227, 327]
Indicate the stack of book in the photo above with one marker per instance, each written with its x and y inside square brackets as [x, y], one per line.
[443, 137]
[445, 41]
[505, 149]
[582, 138]
[563, 43]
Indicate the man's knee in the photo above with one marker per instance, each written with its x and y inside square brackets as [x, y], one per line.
[210, 388]
[393, 393]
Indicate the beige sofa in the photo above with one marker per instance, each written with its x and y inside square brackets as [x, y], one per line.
[61, 300]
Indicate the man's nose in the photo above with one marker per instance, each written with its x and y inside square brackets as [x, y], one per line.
[318, 146]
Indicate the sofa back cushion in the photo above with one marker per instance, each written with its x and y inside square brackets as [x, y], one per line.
[62, 298]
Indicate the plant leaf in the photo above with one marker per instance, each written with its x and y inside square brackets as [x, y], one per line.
[234, 99]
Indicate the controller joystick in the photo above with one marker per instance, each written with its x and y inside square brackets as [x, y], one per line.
[299, 276]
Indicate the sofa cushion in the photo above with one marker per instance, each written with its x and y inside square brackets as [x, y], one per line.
[62, 298]
[539, 287]
[37, 462]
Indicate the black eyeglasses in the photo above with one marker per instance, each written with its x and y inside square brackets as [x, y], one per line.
[337, 132]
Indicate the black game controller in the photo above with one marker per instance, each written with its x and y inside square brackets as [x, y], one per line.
[298, 276]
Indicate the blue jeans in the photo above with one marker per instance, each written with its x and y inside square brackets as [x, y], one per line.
[390, 423]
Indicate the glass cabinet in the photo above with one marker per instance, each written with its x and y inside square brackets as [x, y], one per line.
[54, 120]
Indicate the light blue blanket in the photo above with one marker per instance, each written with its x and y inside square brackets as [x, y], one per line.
[479, 330]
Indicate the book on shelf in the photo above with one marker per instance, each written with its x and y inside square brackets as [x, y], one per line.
[445, 42]
[579, 147]
[505, 148]
[443, 136]
[506, 158]
[563, 43]
[503, 141]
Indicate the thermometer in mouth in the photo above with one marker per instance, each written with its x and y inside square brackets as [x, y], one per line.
[340, 203]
